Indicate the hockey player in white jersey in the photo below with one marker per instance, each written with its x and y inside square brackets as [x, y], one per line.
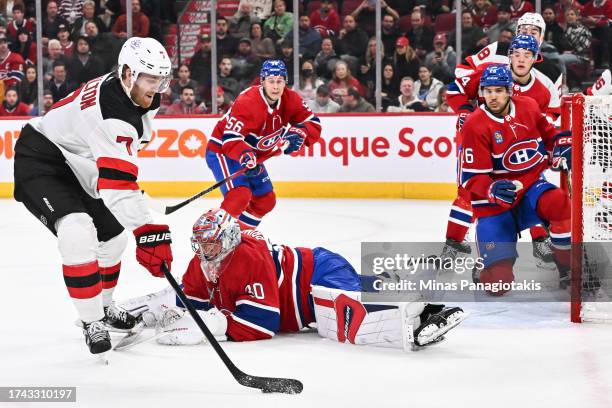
[76, 171]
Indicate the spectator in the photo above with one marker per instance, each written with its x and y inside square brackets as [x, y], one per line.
[326, 20]
[11, 106]
[28, 88]
[140, 23]
[308, 82]
[226, 44]
[389, 34]
[262, 46]
[427, 88]
[66, 44]
[184, 79]
[54, 54]
[442, 102]
[187, 104]
[19, 23]
[25, 47]
[83, 66]
[520, 7]
[280, 23]
[406, 102]
[11, 65]
[562, 6]
[326, 59]
[365, 14]
[105, 46]
[199, 65]
[52, 22]
[226, 81]
[261, 8]
[503, 41]
[223, 104]
[554, 32]
[245, 64]
[70, 10]
[405, 59]
[484, 13]
[367, 72]
[341, 81]
[389, 87]
[6, 13]
[504, 21]
[322, 102]
[89, 9]
[441, 61]
[420, 35]
[287, 57]
[309, 38]
[352, 42]
[47, 104]
[59, 86]
[596, 15]
[353, 102]
[577, 40]
[241, 22]
[472, 37]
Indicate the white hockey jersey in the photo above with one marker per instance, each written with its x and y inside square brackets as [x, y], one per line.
[99, 130]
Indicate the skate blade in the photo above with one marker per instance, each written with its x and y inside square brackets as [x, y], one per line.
[438, 336]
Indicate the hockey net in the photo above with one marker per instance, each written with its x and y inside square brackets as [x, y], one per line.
[591, 191]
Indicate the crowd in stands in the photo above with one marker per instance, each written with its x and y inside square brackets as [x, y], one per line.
[337, 48]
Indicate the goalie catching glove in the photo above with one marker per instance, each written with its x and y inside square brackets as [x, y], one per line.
[153, 247]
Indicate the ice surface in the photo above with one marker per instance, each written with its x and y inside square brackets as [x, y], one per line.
[505, 355]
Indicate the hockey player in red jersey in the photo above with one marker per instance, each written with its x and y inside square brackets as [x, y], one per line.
[262, 118]
[76, 171]
[252, 289]
[602, 86]
[506, 147]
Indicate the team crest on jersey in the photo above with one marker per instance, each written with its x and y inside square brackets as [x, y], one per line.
[498, 136]
[522, 155]
[266, 142]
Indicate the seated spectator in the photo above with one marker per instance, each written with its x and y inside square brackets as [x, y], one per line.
[389, 34]
[66, 44]
[226, 81]
[261, 8]
[52, 22]
[427, 88]
[326, 59]
[70, 10]
[441, 61]
[577, 43]
[472, 36]
[28, 88]
[11, 67]
[47, 104]
[322, 102]
[389, 87]
[520, 7]
[245, 64]
[184, 79]
[326, 19]
[226, 44]
[89, 9]
[352, 41]
[484, 13]
[353, 102]
[12, 106]
[554, 32]
[223, 104]
[59, 86]
[278, 25]
[406, 102]
[504, 21]
[187, 104]
[365, 14]
[240, 23]
[367, 72]
[199, 65]
[562, 6]
[309, 38]
[6, 13]
[287, 57]
[140, 23]
[442, 102]
[84, 66]
[405, 59]
[54, 54]
[19, 23]
[25, 47]
[262, 47]
[420, 35]
[103, 45]
[596, 15]
[342, 81]
[308, 82]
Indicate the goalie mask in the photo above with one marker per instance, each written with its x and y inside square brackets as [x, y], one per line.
[215, 235]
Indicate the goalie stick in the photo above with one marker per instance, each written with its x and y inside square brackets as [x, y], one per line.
[265, 384]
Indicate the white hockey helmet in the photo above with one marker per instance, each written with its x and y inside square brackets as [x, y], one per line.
[533, 19]
[145, 56]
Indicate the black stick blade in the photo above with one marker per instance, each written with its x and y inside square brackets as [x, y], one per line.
[270, 384]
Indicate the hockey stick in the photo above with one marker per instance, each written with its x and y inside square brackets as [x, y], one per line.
[265, 384]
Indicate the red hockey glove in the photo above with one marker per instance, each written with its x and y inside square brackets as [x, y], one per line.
[248, 160]
[153, 247]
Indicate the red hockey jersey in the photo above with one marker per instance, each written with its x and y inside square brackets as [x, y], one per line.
[263, 288]
[514, 147]
[11, 69]
[251, 124]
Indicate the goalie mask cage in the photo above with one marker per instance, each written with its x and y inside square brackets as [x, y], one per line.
[590, 119]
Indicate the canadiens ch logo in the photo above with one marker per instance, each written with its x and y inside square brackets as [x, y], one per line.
[498, 136]
[522, 155]
[266, 142]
